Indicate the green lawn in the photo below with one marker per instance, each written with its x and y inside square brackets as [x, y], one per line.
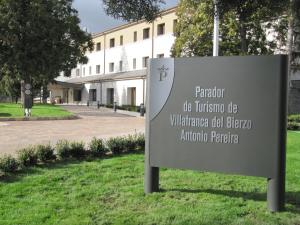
[110, 191]
[38, 110]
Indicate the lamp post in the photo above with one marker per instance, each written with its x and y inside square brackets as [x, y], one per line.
[216, 30]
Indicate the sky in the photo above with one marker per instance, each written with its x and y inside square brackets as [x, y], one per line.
[94, 19]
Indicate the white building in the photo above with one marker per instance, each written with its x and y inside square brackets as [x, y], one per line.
[116, 70]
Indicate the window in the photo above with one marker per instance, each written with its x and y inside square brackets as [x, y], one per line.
[174, 26]
[121, 65]
[121, 40]
[112, 43]
[160, 56]
[160, 29]
[77, 72]
[145, 61]
[134, 63]
[83, 71]
[134, 36]
[90, 70]
[98, 46]
[92, 95]
[111, 67]
[146, 33]
[97, 69]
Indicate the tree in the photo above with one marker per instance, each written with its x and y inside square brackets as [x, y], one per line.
[41, 38]
[294, 35]
[9, 87]
[243, 28]
[132, 10]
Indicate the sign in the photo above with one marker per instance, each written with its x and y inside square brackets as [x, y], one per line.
[220, 114]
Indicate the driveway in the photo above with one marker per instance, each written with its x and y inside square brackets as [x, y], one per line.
[93, 122]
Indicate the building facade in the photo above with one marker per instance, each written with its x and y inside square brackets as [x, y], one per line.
[117, 67]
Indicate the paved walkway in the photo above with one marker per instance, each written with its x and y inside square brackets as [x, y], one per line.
[102, 123]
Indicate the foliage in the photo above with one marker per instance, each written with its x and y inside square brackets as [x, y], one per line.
[62, 148]
[140, 141]
[293, 125]
[97, 147]
[116, 145]
[27, 156]
[294, 118]
[294, 24]
[243, 28]
[132, 10]
[129, 143]
[293, 122]
[77, 149]
[39, 39]
[8, 164]
[9, 87]
[44, 152]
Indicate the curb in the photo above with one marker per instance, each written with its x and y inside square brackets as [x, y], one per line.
[73, 117]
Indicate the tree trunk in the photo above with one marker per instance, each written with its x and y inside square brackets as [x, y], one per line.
[244, 47]
[290, 58]
[22, 92]
[45, 93]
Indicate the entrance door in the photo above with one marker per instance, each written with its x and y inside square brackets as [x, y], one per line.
[133, 96]
[110, 96]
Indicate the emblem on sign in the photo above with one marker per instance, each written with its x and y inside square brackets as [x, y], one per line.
[163, 73]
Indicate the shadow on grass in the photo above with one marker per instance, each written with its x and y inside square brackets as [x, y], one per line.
[5, 114]
[292, 198]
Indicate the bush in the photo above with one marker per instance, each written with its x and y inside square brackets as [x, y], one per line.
[115, 145]
[97, 147]
[63, 149]
[44, 152]
[8, 164]
[77, 149]
[130, 143]
[140, 141]
[27, 156]
[293, 126]
[294, 118]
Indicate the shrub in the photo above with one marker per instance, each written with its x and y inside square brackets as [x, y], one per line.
[294, 118]
[97, 147]
[115, 145]
[44, 152]
[27, 156]
[293, 126]
[140, 141]
[63, 149]
[77, 149]
[130, 143]
[8, 164]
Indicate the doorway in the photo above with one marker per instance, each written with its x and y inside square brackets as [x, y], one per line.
[110, 96]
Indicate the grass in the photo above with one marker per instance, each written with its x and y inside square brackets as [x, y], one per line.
[39, 110]
[110, 191]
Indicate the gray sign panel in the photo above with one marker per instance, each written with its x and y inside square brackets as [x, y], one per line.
[223, 114]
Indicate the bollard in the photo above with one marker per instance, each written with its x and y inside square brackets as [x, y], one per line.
[98, 104]
[88, 103]
[142, 109]
[115, 106]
